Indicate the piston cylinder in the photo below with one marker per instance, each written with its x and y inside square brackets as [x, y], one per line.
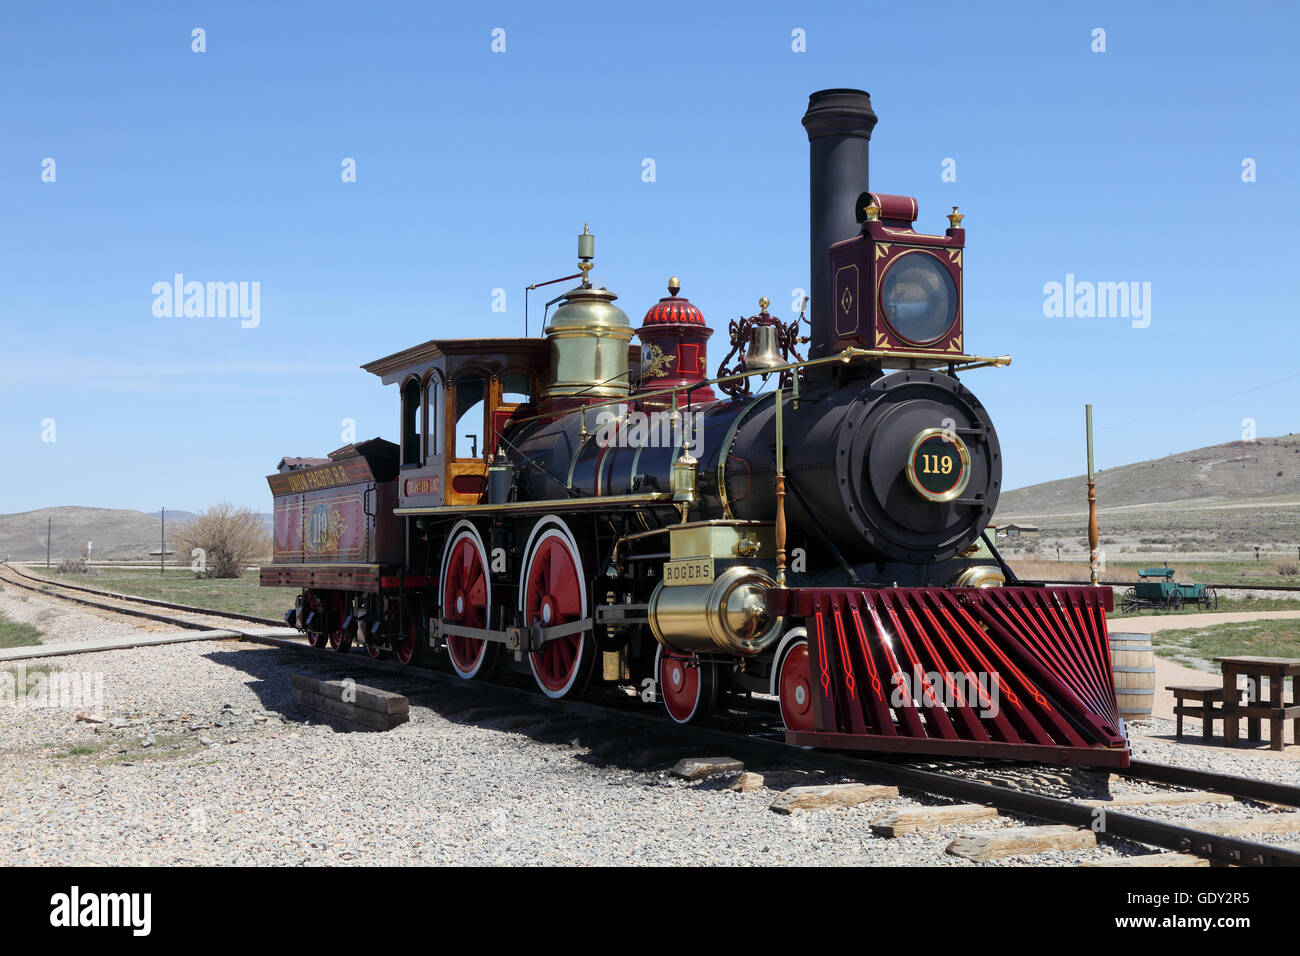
[727, 615]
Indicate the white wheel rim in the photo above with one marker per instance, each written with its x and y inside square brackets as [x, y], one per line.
[461, 530]
[560, 532]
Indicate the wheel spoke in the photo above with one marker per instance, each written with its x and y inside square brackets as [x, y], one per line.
[558, 568]
[568, 595]
[477, 592]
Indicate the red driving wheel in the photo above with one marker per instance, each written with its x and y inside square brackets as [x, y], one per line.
[554, 593]
[465, 594]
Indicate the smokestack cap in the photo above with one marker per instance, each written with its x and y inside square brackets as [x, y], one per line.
[839, 113]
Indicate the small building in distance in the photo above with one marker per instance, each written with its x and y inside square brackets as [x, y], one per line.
[1017, 530]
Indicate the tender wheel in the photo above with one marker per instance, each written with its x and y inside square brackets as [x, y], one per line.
[409, 647]
[795, 689]
[688, 692]
[555, 593]
[466, 597]
[336, 605]
[312, 602]
[361, 631]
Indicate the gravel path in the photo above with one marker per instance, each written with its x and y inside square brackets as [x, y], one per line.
[1176, 622]
[202, 757]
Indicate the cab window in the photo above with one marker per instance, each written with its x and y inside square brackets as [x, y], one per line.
[433, 398]
[411, 439]
[471, 392]
[516, 388]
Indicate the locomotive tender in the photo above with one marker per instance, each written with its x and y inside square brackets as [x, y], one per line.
[593, 509]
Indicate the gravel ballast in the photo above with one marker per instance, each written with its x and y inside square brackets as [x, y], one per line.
[198, 755]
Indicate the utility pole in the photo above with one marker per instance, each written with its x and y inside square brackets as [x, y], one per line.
[162, 546]
[49, 525]
[1093, 576]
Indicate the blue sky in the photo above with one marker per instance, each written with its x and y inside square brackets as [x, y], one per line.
[475, 170]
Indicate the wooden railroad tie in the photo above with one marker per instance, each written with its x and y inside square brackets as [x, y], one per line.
[1264, 823]
[697, 768]
[834, 795]
[353, 705]
[1173, 798]
[923, 819]
[982, 845]
[1150, 859]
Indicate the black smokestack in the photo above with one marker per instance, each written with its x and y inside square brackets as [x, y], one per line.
[839, 125]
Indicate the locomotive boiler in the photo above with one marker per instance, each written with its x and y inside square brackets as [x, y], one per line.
[809, 530]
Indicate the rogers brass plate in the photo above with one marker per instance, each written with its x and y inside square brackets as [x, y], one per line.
[688, 571]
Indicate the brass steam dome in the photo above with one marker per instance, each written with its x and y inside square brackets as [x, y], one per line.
[589, 338]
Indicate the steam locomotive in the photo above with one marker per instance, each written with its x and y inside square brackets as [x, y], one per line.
[811, 530]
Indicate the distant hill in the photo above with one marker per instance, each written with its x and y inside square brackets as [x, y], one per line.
[117, 533]
[1235, 472]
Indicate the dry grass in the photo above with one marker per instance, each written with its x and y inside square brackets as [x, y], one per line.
[1226, 572]
[1042, 569]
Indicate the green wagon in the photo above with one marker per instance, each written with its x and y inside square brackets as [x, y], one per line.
[1156, 589]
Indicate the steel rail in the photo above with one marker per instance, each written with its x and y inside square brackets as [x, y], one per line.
[131, 599]
[1243, 788]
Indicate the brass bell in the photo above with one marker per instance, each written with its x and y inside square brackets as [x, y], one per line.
[764, 350]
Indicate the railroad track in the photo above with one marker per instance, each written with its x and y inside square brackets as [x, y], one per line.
[124, 603]
[747, 736]
[1217, 587]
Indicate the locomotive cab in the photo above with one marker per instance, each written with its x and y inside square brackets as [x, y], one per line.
[458, 396]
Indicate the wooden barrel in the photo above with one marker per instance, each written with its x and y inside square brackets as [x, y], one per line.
[1134, 663]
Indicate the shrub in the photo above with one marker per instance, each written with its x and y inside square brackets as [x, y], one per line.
[1287, 568]
[231, 539]
[73, 566]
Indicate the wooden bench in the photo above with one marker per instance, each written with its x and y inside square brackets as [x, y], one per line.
[1207, 696]
[1276, 710]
